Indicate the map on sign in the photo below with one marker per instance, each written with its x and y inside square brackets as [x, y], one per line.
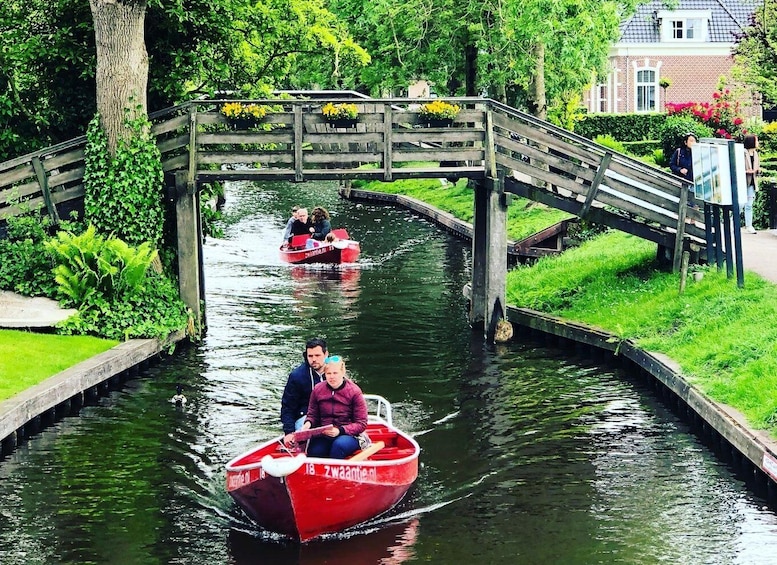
[712, 176]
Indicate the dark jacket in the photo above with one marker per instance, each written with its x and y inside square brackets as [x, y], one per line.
[296, 395]
[681, 159]
[321, 229]
[344, 407]
[301, 228]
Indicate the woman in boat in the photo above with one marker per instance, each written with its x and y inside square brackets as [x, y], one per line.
[340, 402]
[321, 224]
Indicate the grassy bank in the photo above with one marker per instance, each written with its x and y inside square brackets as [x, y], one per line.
[27, 359]
[525, 217]
[724, 338]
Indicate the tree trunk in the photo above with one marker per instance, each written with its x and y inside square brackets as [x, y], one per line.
[121, 75]
[470, 69]
[538, 105]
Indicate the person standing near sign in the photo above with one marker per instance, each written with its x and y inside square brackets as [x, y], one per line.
[752, 170]
[681, 163]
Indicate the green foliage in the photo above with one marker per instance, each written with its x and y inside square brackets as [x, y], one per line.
[211, 196]
[111, 285]
[754, 61]
[767, 138]
[123, 194]
[674, 130]
[90, 264]
[643, 148]
[611, 142]
[24, 261]
[625, 127]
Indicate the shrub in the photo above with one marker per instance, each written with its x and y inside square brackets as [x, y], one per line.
[625, 127]
[674, 130]
[611, 142]
[24, 260]
[768, 138]
[111, 285]
[722, 115]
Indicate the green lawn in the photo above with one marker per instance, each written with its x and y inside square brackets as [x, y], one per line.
[28, 358]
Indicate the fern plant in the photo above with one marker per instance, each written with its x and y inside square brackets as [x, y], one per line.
[90, 265]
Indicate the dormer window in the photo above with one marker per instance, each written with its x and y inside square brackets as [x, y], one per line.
[684, 25]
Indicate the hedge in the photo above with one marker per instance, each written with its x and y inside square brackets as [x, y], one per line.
[623, 127]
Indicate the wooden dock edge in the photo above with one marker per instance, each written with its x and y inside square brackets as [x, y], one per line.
[66, 392]
[754, 445]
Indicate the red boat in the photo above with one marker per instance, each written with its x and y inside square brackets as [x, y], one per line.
[304, 497]
[303, 249]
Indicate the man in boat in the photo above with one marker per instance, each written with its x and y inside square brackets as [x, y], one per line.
[289, 223]
[303, 225]
[302, 379]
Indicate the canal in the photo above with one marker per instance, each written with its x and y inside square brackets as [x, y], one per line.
[529, 455]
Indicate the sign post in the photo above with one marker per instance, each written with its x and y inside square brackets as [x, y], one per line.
[719, 180]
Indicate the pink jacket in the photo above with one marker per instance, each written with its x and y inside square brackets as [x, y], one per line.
[344, 407]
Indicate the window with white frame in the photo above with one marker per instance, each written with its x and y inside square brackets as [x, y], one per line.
[601, 98]
[646, 90]
[684, 25]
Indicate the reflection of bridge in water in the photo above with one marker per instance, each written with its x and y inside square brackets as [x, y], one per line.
[503, 151]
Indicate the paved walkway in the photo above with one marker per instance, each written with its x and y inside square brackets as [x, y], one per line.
[759, 253]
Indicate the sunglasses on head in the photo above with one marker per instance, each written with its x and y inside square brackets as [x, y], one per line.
[333, 359]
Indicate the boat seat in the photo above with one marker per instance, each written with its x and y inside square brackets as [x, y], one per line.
[340, 233]
[299, 240]
[392, 453]
[388, 438]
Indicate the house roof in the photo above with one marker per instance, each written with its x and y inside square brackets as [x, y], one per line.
[728, 18]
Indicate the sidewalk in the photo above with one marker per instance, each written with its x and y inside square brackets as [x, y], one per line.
[759, 253]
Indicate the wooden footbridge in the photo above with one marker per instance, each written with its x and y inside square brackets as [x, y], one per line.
[503, 151]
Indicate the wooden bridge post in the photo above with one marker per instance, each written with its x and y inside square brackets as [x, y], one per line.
[187, 218]
[489, 261]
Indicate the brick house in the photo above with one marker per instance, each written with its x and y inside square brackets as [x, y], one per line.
[690, 45]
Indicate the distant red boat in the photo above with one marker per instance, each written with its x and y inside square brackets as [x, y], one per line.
[342, 250]
[304, 497]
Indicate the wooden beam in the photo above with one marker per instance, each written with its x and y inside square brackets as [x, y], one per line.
[298, 177]
[366, 453]
[43, 182]
[594, 188]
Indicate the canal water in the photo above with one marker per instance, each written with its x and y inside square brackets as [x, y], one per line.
[528, 455]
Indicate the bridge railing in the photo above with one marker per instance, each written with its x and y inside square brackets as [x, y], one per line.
[570, 172]
[293, 141]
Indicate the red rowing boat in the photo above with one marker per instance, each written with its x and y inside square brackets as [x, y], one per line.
[303, 250]
[304, 497]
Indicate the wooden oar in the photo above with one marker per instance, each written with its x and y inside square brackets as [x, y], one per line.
[365, 453]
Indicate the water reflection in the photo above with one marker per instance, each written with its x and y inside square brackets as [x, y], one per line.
[387, 545]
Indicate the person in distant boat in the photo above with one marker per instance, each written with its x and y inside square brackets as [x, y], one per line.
[289, 223]
[321, 224]
[302, 379]
[338, 401]
[302, 225]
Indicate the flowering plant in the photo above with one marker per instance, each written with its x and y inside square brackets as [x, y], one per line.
[333, 112]
[238, 110]
[439, 110]
[722, 115]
